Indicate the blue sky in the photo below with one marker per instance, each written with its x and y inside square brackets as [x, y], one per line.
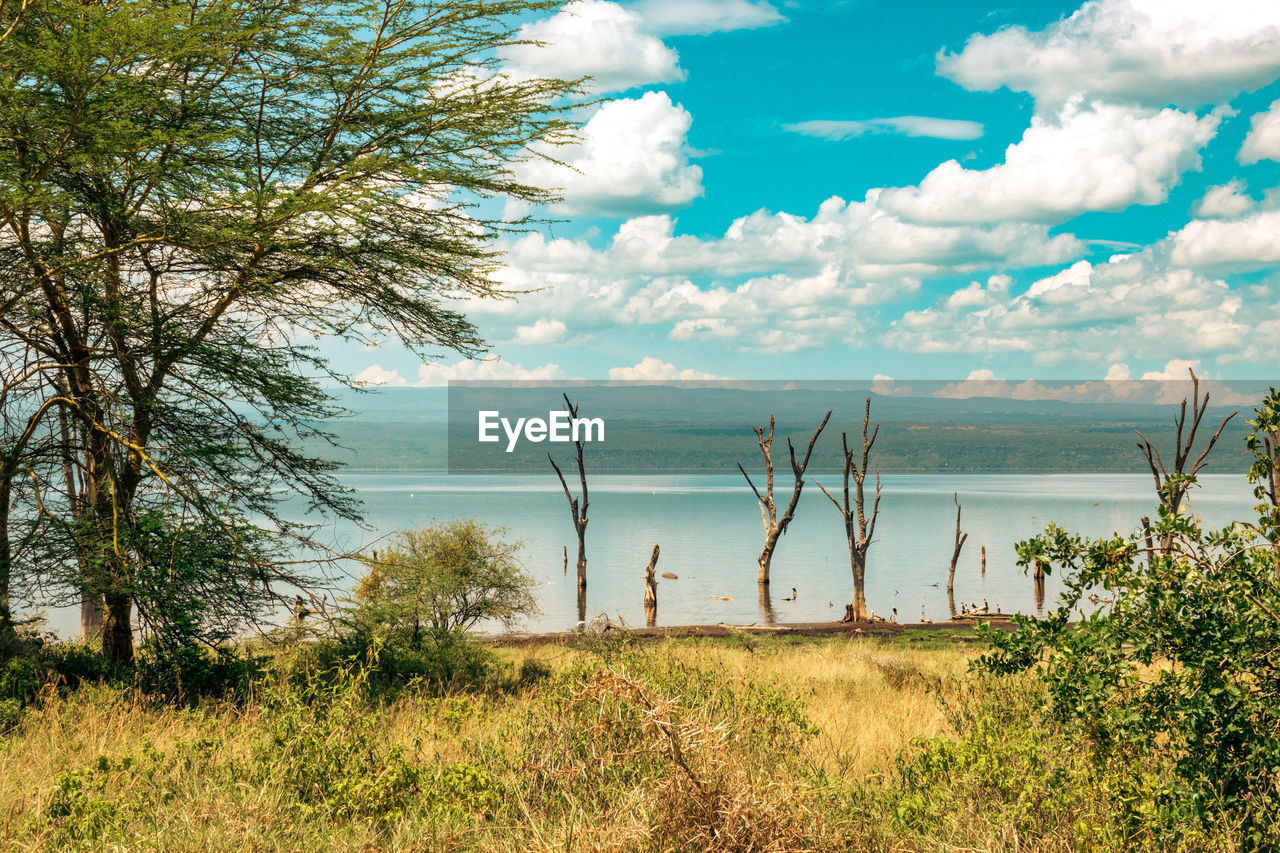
[917, 190]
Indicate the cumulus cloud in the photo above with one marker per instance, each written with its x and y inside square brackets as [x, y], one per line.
[936, 128]
[431, 374]
[702, 17]
[1132, 305]
[633, 156]
[1186, 52]
[594, 38]
[654, 369]
[1092, 156]
[375, 375]
[1246, 243]
[1226, 201]
[542, 331]
[1263, 141]
[771, 279]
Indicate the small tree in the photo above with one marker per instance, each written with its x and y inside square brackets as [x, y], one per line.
[443, 579]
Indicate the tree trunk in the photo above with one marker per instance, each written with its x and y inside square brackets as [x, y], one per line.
[766, 605]
[859, 566]
[765, 560]
[582, 556]
[90, 617]
[117, 627]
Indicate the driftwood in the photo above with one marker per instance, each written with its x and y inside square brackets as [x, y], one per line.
[651, 579]
[774, 629]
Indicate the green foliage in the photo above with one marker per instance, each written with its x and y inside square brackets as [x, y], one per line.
[1017, 770]
[439, 581]
[186, 192]
[1181, 669]
[322, 746]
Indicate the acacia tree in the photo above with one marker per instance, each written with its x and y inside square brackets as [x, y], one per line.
[774, 524]
[189, 193]
[858, 529]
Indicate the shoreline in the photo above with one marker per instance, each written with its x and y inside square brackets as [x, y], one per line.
[784, 629]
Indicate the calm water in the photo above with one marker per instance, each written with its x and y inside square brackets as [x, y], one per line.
[710, 532]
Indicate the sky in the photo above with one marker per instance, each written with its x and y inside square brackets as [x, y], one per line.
[828, 189]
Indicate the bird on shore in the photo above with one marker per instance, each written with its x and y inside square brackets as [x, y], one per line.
[793, 595]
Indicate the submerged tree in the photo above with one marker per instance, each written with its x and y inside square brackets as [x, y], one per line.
[188, 194]
[858, 529]
[577, 506]
[774, 524]
[1173, 481]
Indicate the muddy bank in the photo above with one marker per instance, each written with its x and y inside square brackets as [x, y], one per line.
[960, 631]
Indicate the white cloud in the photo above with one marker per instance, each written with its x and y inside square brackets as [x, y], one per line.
[705, 328]
[771, 279]
[1117, 373]
[377, 375]
[702, 17]
[1187, 52]
[431, 374]
[1263, 141]
[1132, 305]
[1174, 369]
[1088, 157]
[937, 128]
[1247, 243]
[653, 369]
[1226, 201]
[633, 156]
[596, 38]
[543, 331]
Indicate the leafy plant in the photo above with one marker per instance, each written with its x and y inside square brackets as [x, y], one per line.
[441, 580]
[1183, 666]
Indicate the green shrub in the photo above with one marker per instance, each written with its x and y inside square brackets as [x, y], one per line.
[439, 581]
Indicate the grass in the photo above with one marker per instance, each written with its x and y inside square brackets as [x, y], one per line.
[745, 744]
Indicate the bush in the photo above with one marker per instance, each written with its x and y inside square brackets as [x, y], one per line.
[1181, 669]
[440, 581]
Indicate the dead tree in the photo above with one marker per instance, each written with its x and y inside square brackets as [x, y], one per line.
[578, 509]
[774, 524]
[1172, 484]
[955, 555]
[858, 529]
[984, 561]
[651, 590]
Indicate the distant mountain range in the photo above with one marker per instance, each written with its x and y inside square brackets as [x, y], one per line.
[662, 429]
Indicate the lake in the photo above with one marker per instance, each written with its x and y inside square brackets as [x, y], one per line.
[710, 532]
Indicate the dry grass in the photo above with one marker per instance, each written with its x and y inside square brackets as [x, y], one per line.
[692, 745]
